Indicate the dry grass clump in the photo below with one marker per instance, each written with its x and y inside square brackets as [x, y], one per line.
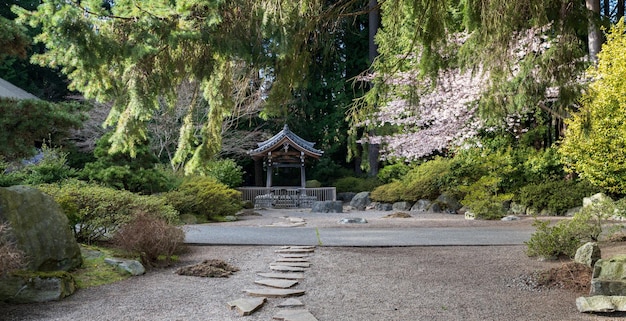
[208, 268]
[571, 276]
[398, 215]
[155, 240]
[10, 257]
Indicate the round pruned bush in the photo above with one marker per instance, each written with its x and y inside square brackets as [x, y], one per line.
[226, 171]
[95, 212]
[153, 239]
[206, 197]
[388, 193]
[555, 196]
[426, 181]
[356, 184]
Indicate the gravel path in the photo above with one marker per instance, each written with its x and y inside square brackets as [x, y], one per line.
[343, 283]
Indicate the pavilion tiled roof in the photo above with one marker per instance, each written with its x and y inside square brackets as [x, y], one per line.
[279, 139]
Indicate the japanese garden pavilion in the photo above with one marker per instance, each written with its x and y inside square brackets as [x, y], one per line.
[284, 150]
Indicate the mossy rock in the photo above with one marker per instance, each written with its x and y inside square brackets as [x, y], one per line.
[30, 287]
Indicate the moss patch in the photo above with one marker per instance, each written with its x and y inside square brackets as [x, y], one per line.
[94, 271]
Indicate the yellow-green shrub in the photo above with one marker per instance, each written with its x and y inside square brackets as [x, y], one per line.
[95, 212]
[205, 196]
[388, 193]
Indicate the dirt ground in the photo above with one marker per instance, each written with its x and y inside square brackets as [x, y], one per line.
[343, 283]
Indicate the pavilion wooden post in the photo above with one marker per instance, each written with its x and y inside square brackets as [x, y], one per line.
[302, 171]
[270, 166]
[258, 172]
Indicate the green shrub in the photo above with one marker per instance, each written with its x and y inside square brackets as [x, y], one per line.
[388, 193]
[392, 172]
[226, 171]
[565, 237]
[95, 211]
[153, 239]
[327, 171]
[51, 167]
[206, 197]
[313, 184]
[426, 181]
[555, 196]
[484, 198]
[118, 170]
[356, 184]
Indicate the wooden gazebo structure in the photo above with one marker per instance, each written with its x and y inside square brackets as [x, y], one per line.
[285, 149]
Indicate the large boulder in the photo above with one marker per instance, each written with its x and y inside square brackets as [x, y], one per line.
[360, 201]
[608, 277]
[421, 206]
[327, 207]
[595, 199]
[601, 304]
[29, 287]
[345, 196]
[402, 206]
[39, 229]
[448, 203]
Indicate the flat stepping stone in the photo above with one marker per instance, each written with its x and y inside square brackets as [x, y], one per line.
[286, 224]
[277, 283]
[288, 276]
[274, 293]
[290, 303]
[292, 259]
[352, 220]
[301, 247]
[246, 306]
[294, 315]
[285, 268]
[308, 250]
[294, 264]
[294, 255]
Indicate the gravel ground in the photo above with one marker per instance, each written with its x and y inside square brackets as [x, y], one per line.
[356, 283]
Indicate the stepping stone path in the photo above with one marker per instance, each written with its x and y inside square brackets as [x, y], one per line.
[287, 270]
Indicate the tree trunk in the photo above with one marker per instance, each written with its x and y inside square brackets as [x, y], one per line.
[374, 23]
[620, 9]
[594, 37]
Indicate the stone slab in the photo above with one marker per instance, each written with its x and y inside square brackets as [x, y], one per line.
[247, 306]
[285, 268]
[277, 283]
[294, 255]
[301, 247]
[274, 293]
[288, 276]
[292, 259]
[294, 315]
[296, 250]
[285, 224]
[290, 303]
[294, 264]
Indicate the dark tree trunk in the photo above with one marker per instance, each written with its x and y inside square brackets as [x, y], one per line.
[374, 23]
[594, 37]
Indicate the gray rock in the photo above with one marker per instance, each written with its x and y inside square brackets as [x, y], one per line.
[360, 201]
[588, 254]
[31, 287]
[39, 228]
[327, 207]
[384, 207]
[510, 218]
[402, 206]
[229, 218]
[287, 276]
[601, 304]
[435, 208]
[448, 203]
[597, 198]
[131, 266]
[608, 277]
[277, 283]
[352, 220]
[421, 206]
[345, 196]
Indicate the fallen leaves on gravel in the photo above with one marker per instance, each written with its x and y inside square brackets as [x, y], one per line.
[571, 276]
[398, 215]
[208, 268]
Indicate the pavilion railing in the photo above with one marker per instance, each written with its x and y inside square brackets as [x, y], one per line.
[286, 197]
